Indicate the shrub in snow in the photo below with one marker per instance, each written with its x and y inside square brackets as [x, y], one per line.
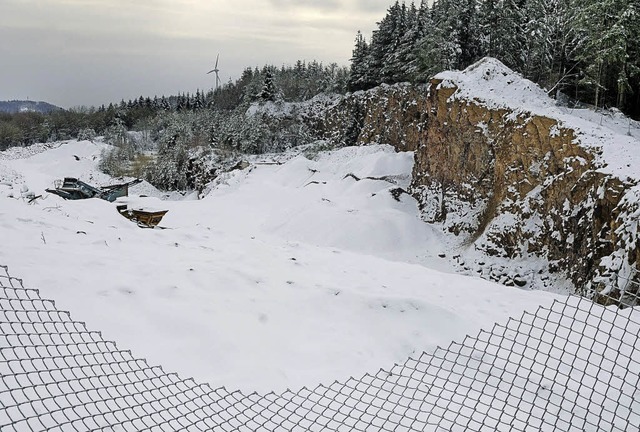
[86, 134]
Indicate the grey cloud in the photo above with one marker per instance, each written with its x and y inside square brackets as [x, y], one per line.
[324, 24]
[316, 4]
[379, 6]
[364, 6]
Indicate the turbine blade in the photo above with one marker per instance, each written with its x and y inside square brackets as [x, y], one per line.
[217, 58]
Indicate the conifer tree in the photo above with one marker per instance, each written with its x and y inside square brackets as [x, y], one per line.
[489, 15]
[469, 36]
[390, 70]
[439, 48]
[610, 31]
[268, 92]
[511, 37]
[404, 58]
[383, 42]
[359, 77]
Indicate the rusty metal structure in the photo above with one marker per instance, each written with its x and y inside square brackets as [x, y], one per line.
[73, 189]
[144, 218]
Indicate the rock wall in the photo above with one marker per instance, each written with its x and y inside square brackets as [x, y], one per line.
[394, 115]
[508, 184]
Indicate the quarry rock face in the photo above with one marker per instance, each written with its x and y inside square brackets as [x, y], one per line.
[517, 185]
[508, 183]
[384, 115]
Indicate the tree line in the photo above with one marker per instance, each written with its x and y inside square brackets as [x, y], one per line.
[587, 49]
[294, 83]
[192, 135]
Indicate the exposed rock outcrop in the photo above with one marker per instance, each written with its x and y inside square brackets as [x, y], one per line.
[511, 182]
[387, 114]
[517, 184]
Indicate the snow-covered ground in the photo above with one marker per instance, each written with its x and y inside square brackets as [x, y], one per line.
[284, 275]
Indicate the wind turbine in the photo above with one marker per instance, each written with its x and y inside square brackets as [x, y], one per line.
[216, 70]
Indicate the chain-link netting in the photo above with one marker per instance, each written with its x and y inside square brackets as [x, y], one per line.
[572, 366]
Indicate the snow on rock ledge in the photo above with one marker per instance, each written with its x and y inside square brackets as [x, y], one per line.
[491, 83]
[611, 137]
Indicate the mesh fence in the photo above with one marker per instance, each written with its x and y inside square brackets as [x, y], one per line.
[572, 366]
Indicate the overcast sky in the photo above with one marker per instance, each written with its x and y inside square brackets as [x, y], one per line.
[89, 52]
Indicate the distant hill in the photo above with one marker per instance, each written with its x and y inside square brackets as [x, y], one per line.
[15, 106]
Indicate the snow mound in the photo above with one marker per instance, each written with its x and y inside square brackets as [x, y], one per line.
[8, 176]
[350, 188]
[493, 84]
[13, 153]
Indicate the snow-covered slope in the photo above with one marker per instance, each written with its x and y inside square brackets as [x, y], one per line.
[283, 276]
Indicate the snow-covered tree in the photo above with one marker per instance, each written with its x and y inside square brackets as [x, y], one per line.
[468, 31]
[397, 22]
[610, 30]
[268, 93]
[402, 61]
[489, 15]
[440, 48]
[359, 78]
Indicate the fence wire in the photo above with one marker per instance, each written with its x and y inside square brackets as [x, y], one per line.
[572, 366]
